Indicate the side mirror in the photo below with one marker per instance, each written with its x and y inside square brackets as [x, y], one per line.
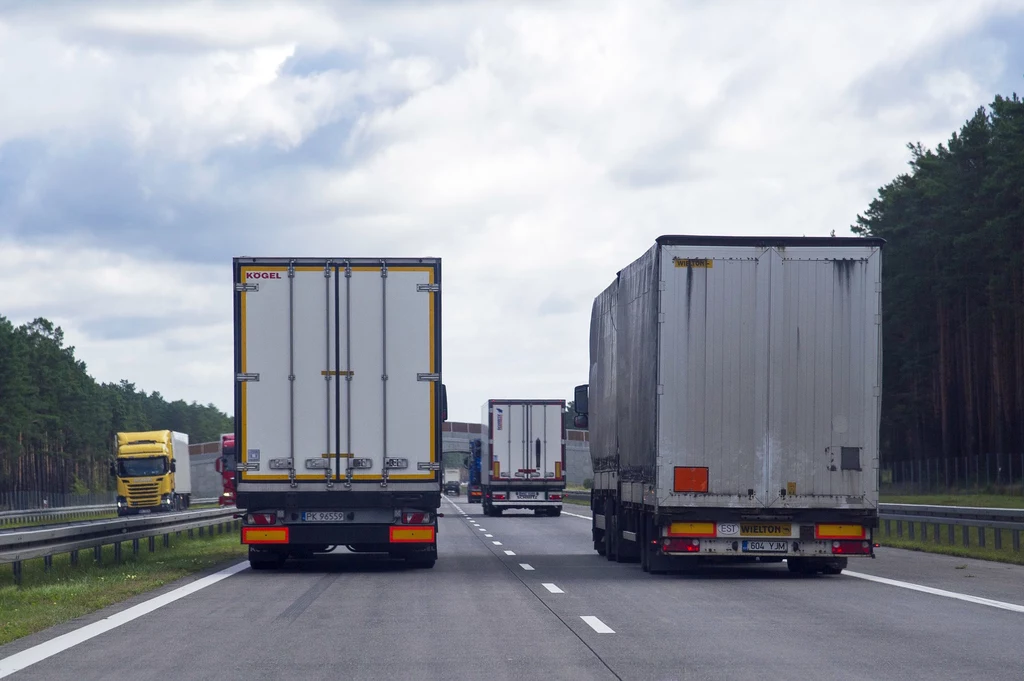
[444, 402]
[174, 466]
[581, 422]
[218, 465]
[465, 462]
[113, 469]
[581, 399]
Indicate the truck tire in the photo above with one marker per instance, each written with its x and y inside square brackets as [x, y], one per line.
[265, 560]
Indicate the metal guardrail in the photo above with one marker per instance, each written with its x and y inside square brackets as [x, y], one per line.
[918, 517]
[70, 512]
[46, 542]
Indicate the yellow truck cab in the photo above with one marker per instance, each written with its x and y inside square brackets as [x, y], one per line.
[152, 471]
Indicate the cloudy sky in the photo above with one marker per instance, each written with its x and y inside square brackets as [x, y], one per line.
[537, 147]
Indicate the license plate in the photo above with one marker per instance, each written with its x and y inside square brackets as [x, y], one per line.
[323, 516]
[144, 510]
[526, 495]
[766, 546]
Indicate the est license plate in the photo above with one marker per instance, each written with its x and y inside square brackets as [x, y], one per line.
[323, 516]
[526, 495]
[752, 546]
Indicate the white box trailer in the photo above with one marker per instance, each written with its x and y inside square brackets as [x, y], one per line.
[523, 464]
[340, 403]
[734, 402]
[182, 467]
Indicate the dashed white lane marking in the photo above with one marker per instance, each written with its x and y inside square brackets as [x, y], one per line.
[577, 515]
[510, 553]
[552, 588]
[38, 653]
[482, 529]
[938, 592]
[488, 535]
[526, 566]
[496, 543]
[597, 625]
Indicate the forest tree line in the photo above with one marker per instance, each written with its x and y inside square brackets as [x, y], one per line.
[953, 292]
[57, 424]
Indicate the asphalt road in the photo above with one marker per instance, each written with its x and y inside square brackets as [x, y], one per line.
[555, 610]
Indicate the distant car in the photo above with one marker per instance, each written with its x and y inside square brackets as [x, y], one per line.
[452, 487]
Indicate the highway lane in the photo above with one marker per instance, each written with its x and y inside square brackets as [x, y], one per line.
[482, 612]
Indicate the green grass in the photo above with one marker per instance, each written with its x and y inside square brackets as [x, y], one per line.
[984, 500]
[1004, 555]
[65, 592]
[102, 515]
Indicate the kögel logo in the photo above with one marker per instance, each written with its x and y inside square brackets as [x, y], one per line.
[262, 275]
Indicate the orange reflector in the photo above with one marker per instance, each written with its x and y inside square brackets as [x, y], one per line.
[822, 531]
[497, 469]
[691, 530]
[691, 479]
[260, 535]
[558, 470]
[411, 534]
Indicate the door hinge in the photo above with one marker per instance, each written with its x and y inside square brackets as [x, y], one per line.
[247, 288]
[428, 288]
[428, 377]
[245, 378]
[428, 466]
[247, 466]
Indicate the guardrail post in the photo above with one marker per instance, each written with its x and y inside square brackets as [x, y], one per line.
[952, 534]
[16, 567]
[135, 547]
[910, 530]
[97, 554]
[74, 558]
[937, 533]
[201, 530]
[117, 552]
[47, 563]
[888, 529]
[167, 540]
[1016, 541]
[899, 529]
[981, 537]
[967, 536]
[924, 531]
[152, 544]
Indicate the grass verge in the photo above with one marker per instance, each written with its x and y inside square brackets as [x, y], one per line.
[66, 592]
[982, 500]
[927, 542]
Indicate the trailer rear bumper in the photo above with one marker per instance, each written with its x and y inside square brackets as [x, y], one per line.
[324, 534]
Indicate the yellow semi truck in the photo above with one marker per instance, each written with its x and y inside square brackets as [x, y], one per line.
[152, 471]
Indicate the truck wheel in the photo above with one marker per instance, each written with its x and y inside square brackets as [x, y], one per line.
[265, 560]
[802, 566]
[556, 512]
[834, 567]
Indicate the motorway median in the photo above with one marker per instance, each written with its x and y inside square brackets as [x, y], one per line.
[48, 598]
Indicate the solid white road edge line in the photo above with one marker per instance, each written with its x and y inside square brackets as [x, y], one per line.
[937, 592]
[38, 653]
[576, 515]
[597, 625]
[552, 588]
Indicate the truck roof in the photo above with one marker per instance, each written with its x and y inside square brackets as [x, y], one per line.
[818, 241]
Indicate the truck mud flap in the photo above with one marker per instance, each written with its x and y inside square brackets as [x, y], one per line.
[599, 521]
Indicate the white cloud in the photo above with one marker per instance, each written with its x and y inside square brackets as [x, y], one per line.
[536, 147]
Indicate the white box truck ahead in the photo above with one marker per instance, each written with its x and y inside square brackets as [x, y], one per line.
[340, 404]
[523, 463]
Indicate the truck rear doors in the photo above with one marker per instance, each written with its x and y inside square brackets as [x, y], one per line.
[526, 440]
[338, 373]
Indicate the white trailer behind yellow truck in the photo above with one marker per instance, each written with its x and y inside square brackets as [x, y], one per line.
[734, 403]
[340, 404]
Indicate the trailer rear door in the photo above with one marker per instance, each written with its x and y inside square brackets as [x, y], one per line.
[338, 373]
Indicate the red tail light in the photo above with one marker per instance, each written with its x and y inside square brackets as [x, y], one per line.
[262, 519]
[680, 545]
[851, 547]
[499, 497]
[555, 497]
[416, 517]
